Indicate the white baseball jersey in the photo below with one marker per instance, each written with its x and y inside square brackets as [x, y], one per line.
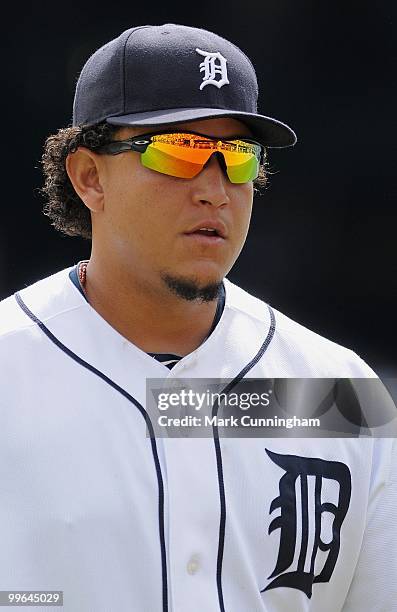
[121, 522]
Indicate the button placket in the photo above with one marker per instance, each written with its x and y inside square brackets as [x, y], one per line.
[194, 523]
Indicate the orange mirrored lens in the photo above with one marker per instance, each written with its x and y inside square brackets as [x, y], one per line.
[184, 156]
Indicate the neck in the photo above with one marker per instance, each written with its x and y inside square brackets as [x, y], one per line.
[154, 319]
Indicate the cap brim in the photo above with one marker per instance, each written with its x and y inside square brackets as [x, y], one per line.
[269, 132]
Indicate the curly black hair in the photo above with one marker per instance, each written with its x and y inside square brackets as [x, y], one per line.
[64, 207]
[67, 211]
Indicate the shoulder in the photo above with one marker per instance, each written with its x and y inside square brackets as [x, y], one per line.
[306, 352]
[46, 298]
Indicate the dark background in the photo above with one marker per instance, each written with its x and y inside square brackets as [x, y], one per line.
[322, 242]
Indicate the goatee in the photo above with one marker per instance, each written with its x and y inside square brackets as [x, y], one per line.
[190, 290]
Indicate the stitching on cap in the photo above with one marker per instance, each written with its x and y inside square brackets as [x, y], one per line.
[78, 87]
[124, 50]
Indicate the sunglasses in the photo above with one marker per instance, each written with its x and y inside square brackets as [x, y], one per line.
[184, 154]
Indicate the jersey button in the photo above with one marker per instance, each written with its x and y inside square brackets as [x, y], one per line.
[193, 565]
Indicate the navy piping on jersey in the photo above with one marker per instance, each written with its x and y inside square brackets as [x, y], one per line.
[218, 452]
[167, 359]
[149, 425]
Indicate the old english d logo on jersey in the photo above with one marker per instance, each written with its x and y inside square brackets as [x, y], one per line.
[214, 64]
[300, 575]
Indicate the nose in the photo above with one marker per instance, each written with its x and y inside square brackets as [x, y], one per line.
[210, 185]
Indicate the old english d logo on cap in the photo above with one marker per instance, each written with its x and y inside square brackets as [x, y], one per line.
[211, 69]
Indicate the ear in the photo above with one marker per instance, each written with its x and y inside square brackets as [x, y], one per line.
[82, 167]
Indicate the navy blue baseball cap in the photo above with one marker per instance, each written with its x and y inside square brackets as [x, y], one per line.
[169, 74]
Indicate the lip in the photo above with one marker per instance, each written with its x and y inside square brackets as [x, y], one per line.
[216, 225]
[203, 240]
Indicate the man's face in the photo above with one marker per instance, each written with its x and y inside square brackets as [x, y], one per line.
[148, 219]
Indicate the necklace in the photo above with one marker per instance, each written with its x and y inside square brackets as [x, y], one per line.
[83, 273]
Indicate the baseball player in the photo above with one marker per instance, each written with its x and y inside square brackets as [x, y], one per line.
[158, 170]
